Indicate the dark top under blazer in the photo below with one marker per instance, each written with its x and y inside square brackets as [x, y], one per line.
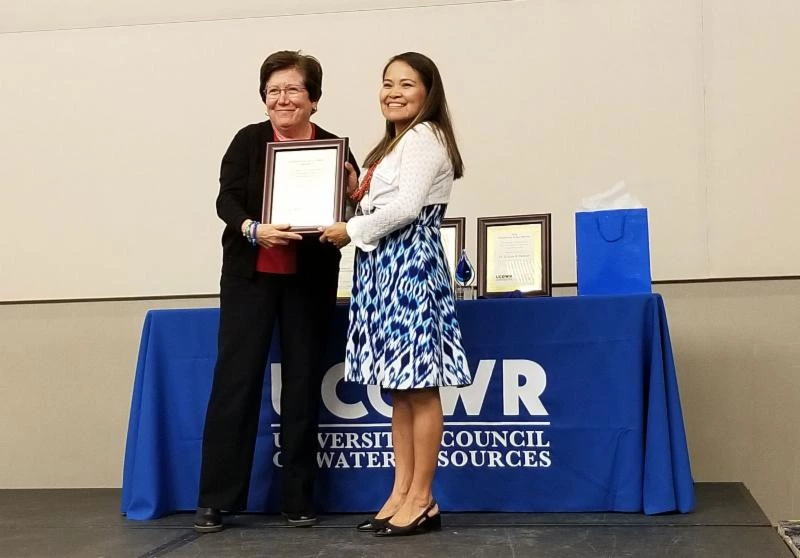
[241, 194]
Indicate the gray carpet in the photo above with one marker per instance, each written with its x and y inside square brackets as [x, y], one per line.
[86, 523]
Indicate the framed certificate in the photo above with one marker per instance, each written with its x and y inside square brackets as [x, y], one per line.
[346, 267]
[453, 230]
[304, 183]
[514, 255]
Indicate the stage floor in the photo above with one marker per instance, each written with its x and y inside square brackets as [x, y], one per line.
[87, 523]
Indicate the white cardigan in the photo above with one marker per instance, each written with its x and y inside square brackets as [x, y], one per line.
[416, 173]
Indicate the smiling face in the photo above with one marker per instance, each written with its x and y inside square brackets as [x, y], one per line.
[288, 105]
[402, 94]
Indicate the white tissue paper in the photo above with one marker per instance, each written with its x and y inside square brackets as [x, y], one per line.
[616, 197]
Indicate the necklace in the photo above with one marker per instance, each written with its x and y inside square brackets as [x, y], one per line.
[358, 193]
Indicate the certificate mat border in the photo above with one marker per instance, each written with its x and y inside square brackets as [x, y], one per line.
[460, 225]
[273, 147]
[542, 219]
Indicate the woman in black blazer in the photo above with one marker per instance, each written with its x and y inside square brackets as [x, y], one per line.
[269, 275]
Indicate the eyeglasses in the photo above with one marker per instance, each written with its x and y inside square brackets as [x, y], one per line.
[292, 91]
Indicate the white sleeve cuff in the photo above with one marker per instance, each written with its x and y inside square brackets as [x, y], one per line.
[354, 231]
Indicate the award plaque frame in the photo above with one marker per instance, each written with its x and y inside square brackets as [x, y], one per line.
[457, 227]
[309, 192]
[514, 255]
[346, 268]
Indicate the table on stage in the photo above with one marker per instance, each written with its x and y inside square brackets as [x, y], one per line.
[574, 407]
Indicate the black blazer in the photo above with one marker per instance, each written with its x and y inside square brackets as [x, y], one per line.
[241, 193]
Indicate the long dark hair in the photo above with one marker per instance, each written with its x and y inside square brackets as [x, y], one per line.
[434, 110]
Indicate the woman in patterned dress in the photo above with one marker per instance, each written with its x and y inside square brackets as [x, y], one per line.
[403, 333]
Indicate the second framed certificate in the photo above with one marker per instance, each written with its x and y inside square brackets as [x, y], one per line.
[346, 268]
[304, 183]
[453, 233]
[514, 255]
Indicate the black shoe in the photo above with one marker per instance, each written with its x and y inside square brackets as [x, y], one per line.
[373, 524]
[301, 519]
[424, 523]
[207, 520]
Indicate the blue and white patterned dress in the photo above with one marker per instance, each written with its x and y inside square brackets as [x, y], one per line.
[403, 331]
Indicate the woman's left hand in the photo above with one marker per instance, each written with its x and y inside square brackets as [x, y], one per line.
[336, 234]
[352, 178]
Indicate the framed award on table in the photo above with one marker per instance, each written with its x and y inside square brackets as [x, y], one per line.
[346, 268]
[514, 255]
[453, 232]
[304, 183]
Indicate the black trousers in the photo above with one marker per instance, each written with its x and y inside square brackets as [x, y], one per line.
[302, 305]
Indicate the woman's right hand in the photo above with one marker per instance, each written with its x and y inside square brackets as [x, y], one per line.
[275, 235]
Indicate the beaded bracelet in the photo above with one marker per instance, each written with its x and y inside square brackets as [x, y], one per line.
[246, 232]
[252, 232]
[249, 232]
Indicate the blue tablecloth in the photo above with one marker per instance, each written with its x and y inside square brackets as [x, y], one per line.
[574, 407]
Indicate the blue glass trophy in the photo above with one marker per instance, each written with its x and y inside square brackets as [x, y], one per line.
[464, 276]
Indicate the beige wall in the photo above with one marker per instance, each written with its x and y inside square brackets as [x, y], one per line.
[67, 373]
[737, 350]
[692, 102]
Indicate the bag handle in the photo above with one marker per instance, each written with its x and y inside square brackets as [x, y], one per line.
[611, 227]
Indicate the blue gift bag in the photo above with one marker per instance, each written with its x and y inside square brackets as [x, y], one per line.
[613, 252]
